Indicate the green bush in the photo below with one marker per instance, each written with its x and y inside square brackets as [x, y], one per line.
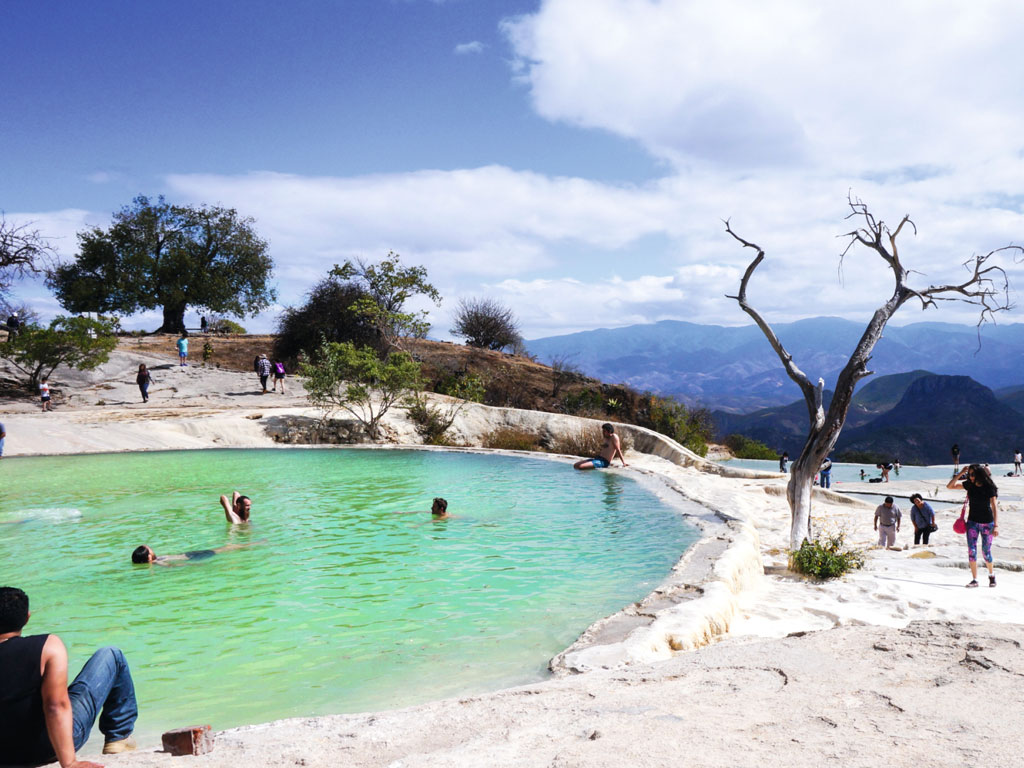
[826, 557]
[744, 447]
[585, 401]
[223, 325]
[691, 428]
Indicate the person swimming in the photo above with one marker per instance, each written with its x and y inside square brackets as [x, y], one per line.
[143, 554]
[239, 510]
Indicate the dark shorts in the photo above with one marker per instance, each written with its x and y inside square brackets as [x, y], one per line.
[200, 554]
[599, 463]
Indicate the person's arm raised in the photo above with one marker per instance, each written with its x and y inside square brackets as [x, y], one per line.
[57, 704]
[229, 507]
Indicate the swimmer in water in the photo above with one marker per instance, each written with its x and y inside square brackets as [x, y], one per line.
[238, 510]
[438, 510]
[143, 555]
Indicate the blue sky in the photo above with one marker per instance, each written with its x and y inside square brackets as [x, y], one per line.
[572, 158]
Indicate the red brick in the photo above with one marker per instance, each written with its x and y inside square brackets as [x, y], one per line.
[194, 740]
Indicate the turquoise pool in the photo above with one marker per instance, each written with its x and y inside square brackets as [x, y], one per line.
[340, 604]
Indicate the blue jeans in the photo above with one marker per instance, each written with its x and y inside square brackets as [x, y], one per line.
[826, 479]
[106, 683]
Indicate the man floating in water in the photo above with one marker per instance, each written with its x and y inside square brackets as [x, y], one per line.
[238, 510]
[143, 554]
[42, 718]
[611, 448]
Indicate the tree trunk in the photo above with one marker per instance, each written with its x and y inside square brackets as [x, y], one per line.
[174, 319]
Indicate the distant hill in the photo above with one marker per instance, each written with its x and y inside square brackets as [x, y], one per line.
[934, 413]
[784, 427]
[735, 369]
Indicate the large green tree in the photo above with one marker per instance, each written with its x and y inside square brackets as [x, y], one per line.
[156, 254]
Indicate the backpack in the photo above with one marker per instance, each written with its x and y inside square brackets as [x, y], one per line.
[279, 368]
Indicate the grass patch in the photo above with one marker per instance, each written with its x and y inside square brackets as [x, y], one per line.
[584, 442]
[512, 439]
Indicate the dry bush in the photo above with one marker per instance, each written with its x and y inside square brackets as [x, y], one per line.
[512, 439]
[585, 442]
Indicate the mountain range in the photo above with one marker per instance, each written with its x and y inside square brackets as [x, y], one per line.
[914, 417]
[735, 369]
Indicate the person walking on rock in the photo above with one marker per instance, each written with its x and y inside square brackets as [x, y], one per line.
[887, 522]
[144, 379]
[982, 517]
[923, 517]
[263, 370]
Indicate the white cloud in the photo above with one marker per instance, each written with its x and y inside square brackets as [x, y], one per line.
[879, 83]
[464, 49]
[769, 113]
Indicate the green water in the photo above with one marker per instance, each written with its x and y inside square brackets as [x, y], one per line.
[341, 605]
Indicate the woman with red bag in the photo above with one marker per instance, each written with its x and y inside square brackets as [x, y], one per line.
[982, 517]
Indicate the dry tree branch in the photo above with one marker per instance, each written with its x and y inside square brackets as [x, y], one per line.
[792, 370]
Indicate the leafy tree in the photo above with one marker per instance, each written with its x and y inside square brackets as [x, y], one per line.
[168, 256]
[328, 314]
[354, 379]
[984, 285]
[486, 323]
[77, 342]
[23, 251]
[386, 287]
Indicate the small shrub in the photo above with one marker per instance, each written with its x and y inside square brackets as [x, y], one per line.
[207, 352]
[431, 422]
[744, 447]
[826, 557]
[512, 439]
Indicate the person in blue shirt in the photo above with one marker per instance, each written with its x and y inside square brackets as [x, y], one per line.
[3, 434]
[825, 473]
[923, 517]
[183, 349]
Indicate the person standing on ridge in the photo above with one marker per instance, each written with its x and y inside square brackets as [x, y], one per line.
[1016, 462]
[955, 451]
[183, 349]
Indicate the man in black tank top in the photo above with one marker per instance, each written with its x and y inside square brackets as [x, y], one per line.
[42, 718]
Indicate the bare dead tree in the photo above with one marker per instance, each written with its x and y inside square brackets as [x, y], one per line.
[23, 251]
[985, 286]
